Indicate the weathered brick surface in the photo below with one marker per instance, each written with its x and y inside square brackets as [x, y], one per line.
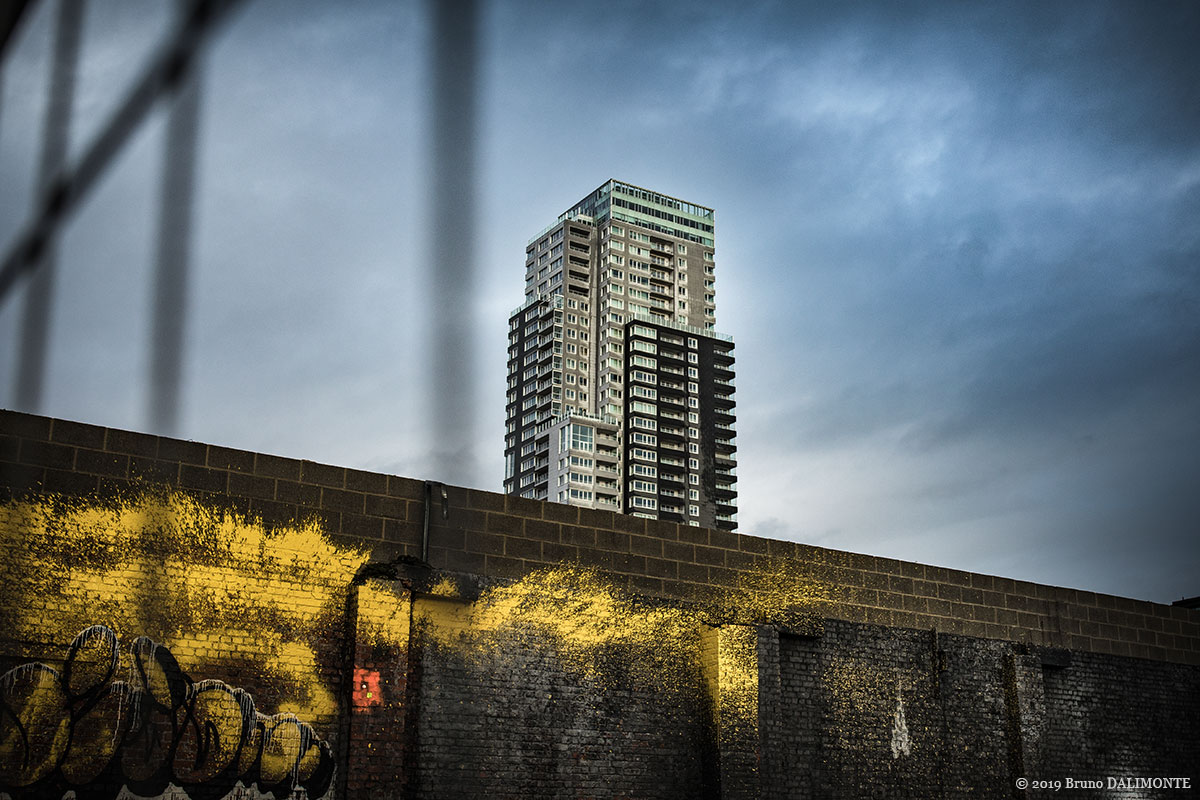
[978, 714]
[515, 722]
[963, 653]
[1121, 717]
[229, 628]
[840, 697]
[374, 725]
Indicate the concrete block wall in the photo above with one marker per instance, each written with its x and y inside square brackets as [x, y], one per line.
[505, 537]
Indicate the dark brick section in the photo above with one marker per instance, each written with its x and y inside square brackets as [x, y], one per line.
[374, 728]
[840, 699]
[1138, 718]
[978, 715]
[518, 723]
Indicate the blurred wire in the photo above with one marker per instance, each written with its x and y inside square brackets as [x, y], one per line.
[11, 13]
[455, 70]
[56, 135]
[174, 248]
[66, 186]
[175, 72]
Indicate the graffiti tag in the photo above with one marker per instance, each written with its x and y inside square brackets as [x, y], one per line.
[82, 730]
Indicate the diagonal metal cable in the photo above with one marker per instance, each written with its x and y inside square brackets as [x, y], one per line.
[72, 184]
[11, 14]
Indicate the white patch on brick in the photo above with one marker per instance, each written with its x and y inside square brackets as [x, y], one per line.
[900, 743]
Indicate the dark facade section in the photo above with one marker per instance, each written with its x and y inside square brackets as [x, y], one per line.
[534, 391]
[680, 452]
[718, 446]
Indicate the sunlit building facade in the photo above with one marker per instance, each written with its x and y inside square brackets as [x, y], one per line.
[620, 390]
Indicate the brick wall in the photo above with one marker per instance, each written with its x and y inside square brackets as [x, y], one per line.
[1105, 717]
[523, 649]
[506, 537]
[561, 734]
[977, 715]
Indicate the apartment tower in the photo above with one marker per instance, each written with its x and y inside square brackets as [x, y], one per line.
[620, 390]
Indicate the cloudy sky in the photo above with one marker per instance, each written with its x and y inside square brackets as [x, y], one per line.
[958, 247]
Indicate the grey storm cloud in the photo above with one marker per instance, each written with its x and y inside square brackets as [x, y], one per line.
[958, 248]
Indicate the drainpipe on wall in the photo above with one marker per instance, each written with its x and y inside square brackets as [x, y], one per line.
[445, 513]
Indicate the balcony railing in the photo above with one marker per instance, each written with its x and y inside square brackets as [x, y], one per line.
[679, 326]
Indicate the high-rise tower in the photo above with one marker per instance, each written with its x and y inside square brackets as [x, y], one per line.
[620, 391]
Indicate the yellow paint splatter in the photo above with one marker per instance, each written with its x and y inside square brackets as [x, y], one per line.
[592, 625]
[383, 617]
[737, 680]
[445, 587]
[226, 592]
[583, 617]
[217, 588]
[776, 590]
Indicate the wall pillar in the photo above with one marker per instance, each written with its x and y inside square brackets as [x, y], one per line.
[744, 697]
[1025, 702]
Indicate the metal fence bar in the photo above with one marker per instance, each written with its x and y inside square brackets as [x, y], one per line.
[173, 72]
[73, 184]
[63, 187]
[56, 135]
[174, 250]
[455, 63]
[11, 14]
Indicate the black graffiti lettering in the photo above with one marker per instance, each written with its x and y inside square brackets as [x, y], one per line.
[83, 731]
